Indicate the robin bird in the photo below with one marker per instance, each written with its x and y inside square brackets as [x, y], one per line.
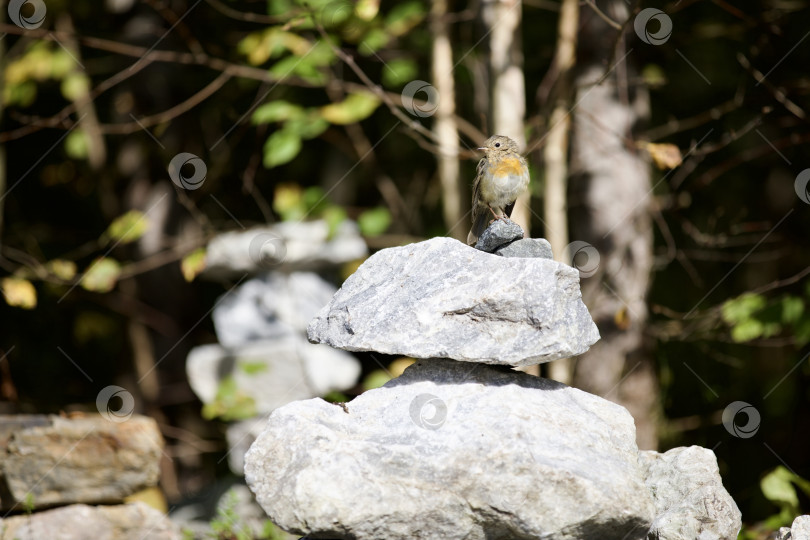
[502, 176]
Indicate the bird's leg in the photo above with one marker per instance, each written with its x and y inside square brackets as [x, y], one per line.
[494, 214]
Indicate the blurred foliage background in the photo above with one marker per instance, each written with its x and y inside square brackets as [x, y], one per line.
[296, 110]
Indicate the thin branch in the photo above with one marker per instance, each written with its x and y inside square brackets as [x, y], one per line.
[603, 15]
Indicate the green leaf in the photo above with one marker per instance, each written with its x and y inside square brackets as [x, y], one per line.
[281, 147]
[102, 275]
[77, 144]
[357, 106]
[334, 216]
[192, 264]
[276, 111]
[308, 127]
[792, 309]
[252, 368]
[374, 222]
[375, 379]
[374, 40]
[742, 308]
[75, 86]
[403, 17]
[230, 403]
[776, 486]
[127, 227]
[399, 71]
[19, 292]
[747, 330]
[303, 67]
[802, 332]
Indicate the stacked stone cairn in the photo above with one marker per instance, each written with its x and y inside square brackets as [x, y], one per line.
[461, 445]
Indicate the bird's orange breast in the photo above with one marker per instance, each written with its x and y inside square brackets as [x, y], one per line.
[507, 166]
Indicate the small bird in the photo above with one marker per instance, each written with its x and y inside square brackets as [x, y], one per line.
[502, 176]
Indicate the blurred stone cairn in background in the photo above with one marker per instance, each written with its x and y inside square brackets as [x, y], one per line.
[462, 446]
[263, 359]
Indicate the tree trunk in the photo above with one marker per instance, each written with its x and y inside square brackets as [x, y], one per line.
[609, 202]
[445, 123]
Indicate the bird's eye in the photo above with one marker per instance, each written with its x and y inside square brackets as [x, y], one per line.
[497, 145]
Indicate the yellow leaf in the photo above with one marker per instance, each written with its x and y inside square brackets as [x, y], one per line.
[61, 268]
[128, 227]
[19, 292]
[665, 155]
[193, 263]
[355, 107]
[101, 275]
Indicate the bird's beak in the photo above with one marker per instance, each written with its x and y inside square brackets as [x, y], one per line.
[481, 148]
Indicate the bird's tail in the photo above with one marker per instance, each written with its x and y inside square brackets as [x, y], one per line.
[480, 224]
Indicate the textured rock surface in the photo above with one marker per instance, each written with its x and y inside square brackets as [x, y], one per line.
[454, 450]
[85, 459]
[289, 245]
[800, 530]
[690, 500]
[441, 298]
[500, 232]
[269, 306]
[273, 372]
[527, 248]
[135, 521]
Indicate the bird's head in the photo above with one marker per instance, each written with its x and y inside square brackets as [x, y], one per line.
[498, 145]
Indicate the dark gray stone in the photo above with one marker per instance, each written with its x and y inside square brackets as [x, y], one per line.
[527, 248]
[500, 232]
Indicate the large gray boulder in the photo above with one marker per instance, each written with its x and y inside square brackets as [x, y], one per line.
[690, 500]
[441, 298]
[454, 450]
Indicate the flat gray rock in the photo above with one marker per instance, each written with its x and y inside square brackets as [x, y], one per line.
[443, 299]
[500, 232]
[454, 450]
[690, 500]
[527, 248]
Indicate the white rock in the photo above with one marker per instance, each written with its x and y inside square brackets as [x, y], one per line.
[273, 372]
[283, 246]
[800, 530]
[441, 298]
[690, 500]
[271, 305]
[454, 450]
